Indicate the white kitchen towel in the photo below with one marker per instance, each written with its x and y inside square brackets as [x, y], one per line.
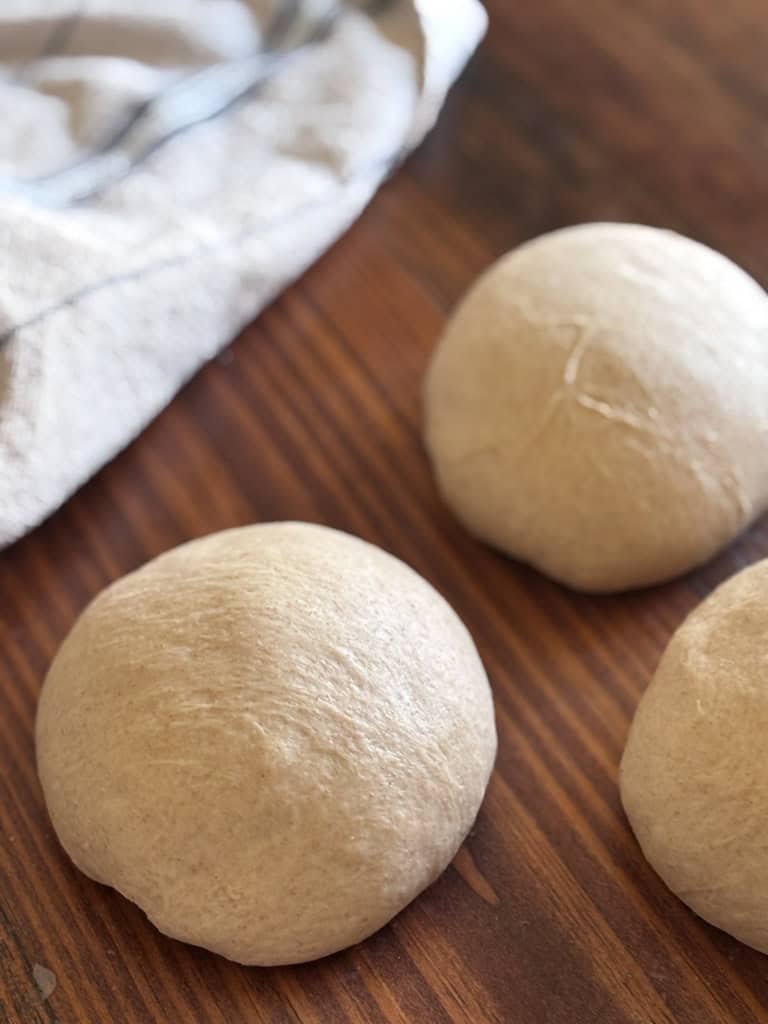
[165, 169]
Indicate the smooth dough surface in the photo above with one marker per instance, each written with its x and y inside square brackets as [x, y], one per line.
[694, 776]
[270, 739]
[598, 405]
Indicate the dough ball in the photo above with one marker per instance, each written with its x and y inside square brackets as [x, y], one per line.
[270, 739]
[598, 405]
[694, 776]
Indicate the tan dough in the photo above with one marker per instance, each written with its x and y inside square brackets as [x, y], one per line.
[598, 405]
[271, 739]
[694, 776]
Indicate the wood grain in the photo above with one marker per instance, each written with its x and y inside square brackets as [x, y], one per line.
[572, 111]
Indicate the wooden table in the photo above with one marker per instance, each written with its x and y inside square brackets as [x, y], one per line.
[573, 110]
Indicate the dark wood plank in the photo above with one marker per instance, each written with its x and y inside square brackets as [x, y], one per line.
[572, 111]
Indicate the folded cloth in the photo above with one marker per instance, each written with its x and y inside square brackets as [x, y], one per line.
[166, 169]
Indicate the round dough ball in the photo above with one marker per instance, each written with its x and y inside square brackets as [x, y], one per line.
[270, 739]
[694, 776]
[598, 405]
